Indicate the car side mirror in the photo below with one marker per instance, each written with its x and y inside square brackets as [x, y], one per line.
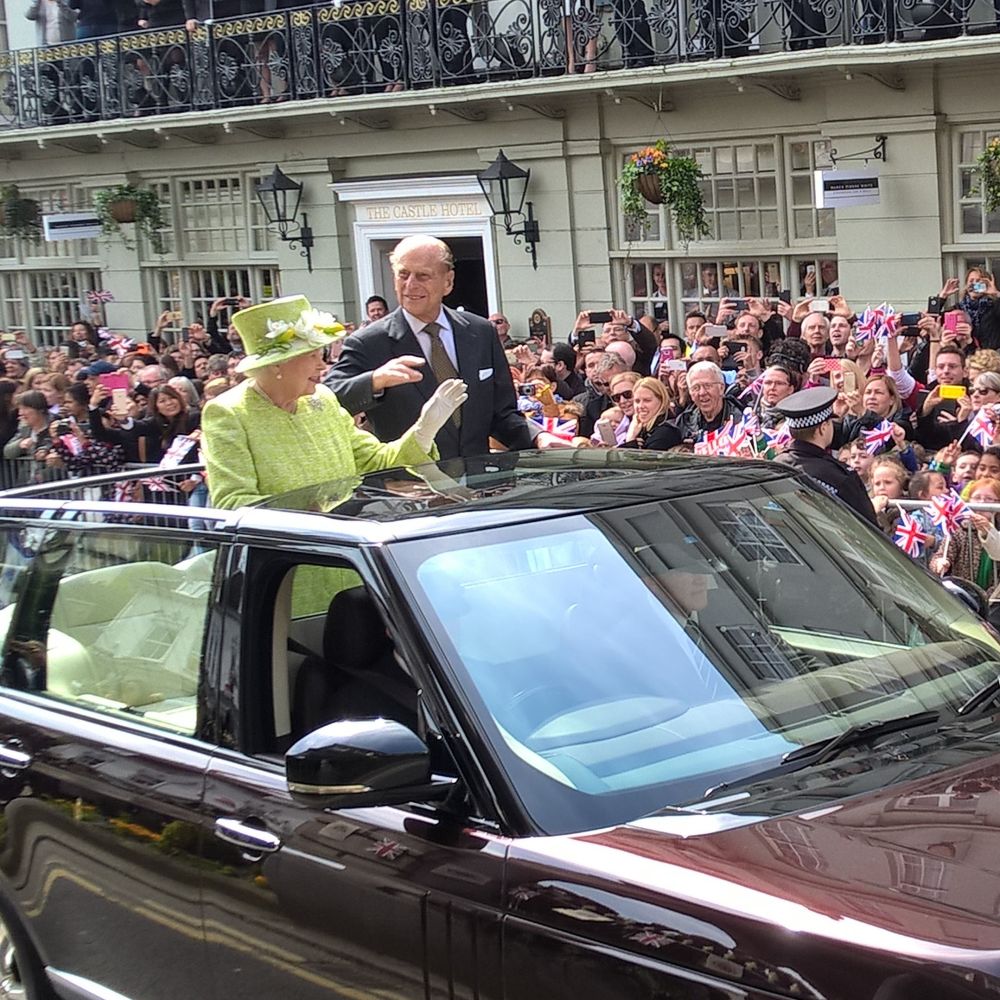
[970, 594]
[360, 762]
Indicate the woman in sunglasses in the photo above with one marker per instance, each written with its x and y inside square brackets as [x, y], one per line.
[620, 391]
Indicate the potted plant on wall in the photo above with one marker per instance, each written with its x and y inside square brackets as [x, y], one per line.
[988, 167]
[653, 175]
[19, 216]
[124, 204]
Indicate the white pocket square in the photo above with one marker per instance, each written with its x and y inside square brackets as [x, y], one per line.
[485, 373]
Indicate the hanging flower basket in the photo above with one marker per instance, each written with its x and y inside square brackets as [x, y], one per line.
[19, 216]
[652, 175]
[122, 211]
[988, 166]
[127, 203]
[649, 188]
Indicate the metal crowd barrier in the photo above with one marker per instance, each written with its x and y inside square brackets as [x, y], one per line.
[967, 530]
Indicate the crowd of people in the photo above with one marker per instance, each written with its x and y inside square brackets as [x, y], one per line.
[878, 406]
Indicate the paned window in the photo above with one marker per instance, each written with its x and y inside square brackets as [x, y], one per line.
[792, 842]
[655, 286]
[806, 221]
[190, 291]
[46, 303]
[919, 875]
[972, 218]
[52, 201]
[210, 216]
[753, 191]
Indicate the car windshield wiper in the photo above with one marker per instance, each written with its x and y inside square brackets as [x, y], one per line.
[823, 750]
[987, 693]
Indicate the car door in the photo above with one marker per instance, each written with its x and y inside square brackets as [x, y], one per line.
[399, 901]
[103, 752]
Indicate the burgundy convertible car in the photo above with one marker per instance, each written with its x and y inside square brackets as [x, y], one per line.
[570, 725]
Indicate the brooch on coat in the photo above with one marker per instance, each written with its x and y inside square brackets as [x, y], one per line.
[315, 403]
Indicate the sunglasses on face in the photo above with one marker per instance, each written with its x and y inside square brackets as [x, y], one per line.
[978, 390]
[599, 383]
[624, 394]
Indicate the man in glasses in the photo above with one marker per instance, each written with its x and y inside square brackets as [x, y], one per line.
[502, 328]
[601, 367]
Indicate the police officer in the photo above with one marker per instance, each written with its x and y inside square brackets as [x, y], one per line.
[810, 421]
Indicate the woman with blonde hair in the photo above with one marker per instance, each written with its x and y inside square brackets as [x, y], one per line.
[880, 400]
[649, 428]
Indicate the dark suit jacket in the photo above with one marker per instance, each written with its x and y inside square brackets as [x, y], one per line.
[491, 409]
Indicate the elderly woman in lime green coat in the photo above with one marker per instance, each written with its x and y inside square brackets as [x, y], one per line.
[282, 430]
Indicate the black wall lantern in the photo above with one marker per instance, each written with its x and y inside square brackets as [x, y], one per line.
[505, 185]
[279, 196]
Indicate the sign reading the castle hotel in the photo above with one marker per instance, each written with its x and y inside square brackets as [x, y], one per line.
[458, 209]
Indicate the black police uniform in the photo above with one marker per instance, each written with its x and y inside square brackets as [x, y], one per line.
[835, 477]
[810, 408]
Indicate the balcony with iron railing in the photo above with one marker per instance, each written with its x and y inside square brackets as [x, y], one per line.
[381, 46]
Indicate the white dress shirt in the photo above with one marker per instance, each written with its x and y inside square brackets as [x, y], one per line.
[424, 339]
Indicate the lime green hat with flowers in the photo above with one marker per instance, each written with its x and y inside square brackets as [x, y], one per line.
[282, 329]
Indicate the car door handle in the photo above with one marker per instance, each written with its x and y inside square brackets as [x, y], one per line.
[14, 760]
[251, 839]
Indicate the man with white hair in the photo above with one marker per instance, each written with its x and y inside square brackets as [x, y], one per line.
[389, 369]
[709, 408]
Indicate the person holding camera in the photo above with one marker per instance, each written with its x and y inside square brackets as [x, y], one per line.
[32, 441]
[980, 303]
[74, 449]
[215, 341]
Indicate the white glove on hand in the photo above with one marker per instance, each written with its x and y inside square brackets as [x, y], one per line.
[437, 411]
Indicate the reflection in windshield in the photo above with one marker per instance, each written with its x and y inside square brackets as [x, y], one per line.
[666, 647]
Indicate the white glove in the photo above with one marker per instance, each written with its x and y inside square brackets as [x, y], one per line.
[437, 411]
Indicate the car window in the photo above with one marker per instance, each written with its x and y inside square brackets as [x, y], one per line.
[632, 659]
[110, 622]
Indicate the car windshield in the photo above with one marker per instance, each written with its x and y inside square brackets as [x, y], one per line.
[628, 660]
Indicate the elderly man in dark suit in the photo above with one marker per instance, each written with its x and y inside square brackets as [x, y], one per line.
[391, 368]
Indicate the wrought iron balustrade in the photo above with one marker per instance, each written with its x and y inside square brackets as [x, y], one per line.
[369, 46]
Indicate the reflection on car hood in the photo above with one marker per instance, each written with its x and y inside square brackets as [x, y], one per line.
[909, 872]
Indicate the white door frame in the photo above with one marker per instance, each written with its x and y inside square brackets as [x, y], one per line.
[390, 208]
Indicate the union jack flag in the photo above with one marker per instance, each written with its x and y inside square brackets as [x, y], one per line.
[949, 511]
[908, 535]
[99, 296]
[778, 437]
[71, 443]
[387, 849]
[869, 322]
[179, 447]
[878, 437]
[754, 387]
[750, 423]
[652, 938]
[982, 427]
[887, 326]
[564, 428]
[120, 345]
